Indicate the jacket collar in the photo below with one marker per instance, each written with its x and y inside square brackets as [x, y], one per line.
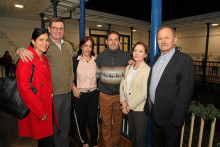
[170, 64]
[38, 63]
[138, 70]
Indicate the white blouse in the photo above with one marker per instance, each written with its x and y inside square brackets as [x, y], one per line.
[128, 81]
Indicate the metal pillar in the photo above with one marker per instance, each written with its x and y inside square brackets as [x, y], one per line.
[131, 40]
[156, 19]
[42, 20]
[55, 3]
[82, 19]
[204, 61]
[156, 15]
[109, 26]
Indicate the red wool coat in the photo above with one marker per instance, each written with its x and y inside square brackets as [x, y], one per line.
[39, 104]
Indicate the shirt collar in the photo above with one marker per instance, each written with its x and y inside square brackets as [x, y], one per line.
[168, 55]
[81, 58]
[62, 41]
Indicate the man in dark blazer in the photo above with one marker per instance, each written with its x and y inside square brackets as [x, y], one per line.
[171, 85]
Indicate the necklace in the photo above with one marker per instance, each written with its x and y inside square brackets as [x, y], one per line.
[135, 68]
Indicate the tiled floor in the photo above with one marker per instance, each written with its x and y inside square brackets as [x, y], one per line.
[9, 134]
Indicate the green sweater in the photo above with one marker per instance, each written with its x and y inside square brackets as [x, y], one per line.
[61, 66]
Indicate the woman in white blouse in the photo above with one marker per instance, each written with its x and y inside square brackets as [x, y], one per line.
[133, 94]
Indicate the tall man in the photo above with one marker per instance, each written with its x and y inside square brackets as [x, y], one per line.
[112, 63]
[171, 85]
[60, 55]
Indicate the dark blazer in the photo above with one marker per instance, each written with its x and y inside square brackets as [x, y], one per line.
[174, 90]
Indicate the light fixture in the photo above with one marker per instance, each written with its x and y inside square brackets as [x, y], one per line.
[99, 26]
[134, 30]
[214, 24]
[45, 18]
[19, 6]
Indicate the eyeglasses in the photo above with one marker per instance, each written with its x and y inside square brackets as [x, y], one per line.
[56, 29]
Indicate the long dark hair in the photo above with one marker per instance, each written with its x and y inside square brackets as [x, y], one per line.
[82, 42]
[37, 32]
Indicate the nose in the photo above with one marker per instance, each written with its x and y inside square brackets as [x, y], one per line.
[46, 42]
[162, 40]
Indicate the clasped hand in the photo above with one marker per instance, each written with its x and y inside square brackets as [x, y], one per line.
[125, 108]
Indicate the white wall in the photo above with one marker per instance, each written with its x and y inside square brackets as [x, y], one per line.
[192, 39]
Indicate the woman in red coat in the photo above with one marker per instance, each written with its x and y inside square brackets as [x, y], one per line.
[38, 124]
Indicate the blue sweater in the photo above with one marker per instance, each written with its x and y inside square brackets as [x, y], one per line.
[111, 65]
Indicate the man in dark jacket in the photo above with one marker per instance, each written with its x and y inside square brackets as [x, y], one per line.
[171, 85]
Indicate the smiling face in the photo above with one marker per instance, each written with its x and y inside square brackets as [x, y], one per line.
[86, 48]
[139, 53]
[56, 31]
[113, 41]
[166, 40]
[41, 43]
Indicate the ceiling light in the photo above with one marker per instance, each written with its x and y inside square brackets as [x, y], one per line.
[99, 26]
[45, 18]
[19, 6]
[214, 24]
[134, 30]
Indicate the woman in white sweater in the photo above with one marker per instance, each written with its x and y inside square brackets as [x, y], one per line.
[133, 94]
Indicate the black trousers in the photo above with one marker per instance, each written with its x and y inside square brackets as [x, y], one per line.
[164, 136]
[86, 108]
[138, 128]
[7, 70]
[46, 142]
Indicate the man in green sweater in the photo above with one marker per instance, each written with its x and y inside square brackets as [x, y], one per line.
[60, 55]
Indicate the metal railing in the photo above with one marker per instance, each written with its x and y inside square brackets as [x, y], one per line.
[209, 71]
[125, 130]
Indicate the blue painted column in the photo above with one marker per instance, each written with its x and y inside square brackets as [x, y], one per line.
[82, 19]
[156, 19]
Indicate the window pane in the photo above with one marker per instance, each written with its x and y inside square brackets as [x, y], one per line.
[121, 46]
[95, 49]
[125, 39]
[125, 47]
[102, 40]
[101, 49]
[95, 39]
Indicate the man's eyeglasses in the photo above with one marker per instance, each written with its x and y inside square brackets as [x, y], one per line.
[56, 29]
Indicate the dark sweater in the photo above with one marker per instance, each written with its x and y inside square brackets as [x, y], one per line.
[112, 65]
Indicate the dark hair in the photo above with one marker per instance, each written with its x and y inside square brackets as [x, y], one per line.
[56, 20]
[37, 32]
[112, 32]
[145, 49]
[82, 42]
[6, 52]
